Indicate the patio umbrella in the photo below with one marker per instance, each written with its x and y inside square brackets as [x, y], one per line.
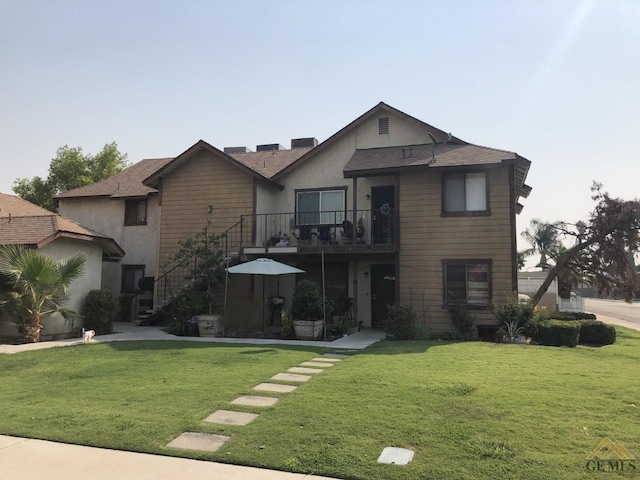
[263, 266]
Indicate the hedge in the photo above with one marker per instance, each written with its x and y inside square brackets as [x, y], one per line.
[557, 333]
[595, 332]
[571, 316]
[99, 311]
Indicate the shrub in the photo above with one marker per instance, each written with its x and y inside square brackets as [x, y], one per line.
[402, 323]
[514, 311]
[287, 324]
[557, 333]
[595, 332]
[463, 322]
[184, 327]
[306, 303]
[572, 316]
[99, 311]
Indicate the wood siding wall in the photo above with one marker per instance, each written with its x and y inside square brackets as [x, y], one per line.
[187, 192]
[426, 238]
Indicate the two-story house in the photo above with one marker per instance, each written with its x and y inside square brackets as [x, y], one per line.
[400, 212]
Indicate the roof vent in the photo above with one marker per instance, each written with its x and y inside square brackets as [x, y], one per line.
[309, 142]
[269, 146]
[237, 150]
[383, 125]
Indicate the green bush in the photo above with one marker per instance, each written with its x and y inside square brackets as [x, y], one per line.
[99, 311]
[571, 316]
[287, 324]
[402, 323]
[306, 303]
[514, 311]
[595, 332]
[463, 321]
[557, 333]
[184, 327]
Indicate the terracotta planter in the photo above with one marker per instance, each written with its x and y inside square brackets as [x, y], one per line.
[211, 325]
[308, 329]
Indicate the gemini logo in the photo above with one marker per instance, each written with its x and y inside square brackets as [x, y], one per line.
[610, 456]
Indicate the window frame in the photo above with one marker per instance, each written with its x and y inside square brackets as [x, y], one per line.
[320, 212]
[465, 213]
[127, 206]
[131, 268]
[485, 262]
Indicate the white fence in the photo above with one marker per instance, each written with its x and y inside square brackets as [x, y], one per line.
[573, 304]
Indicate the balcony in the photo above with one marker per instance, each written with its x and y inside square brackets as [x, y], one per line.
[332, 231]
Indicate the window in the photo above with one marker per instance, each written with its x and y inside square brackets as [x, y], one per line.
[135, 212]
[131, 275]
[383, 125]
[320, 207]
[465, 193]
[467, 282]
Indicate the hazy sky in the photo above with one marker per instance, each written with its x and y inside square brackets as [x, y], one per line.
[556, 81]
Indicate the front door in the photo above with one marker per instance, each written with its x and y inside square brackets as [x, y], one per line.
[383, 292]
[382, 205]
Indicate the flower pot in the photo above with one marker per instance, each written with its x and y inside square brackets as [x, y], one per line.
[211, 325]
[308, 329]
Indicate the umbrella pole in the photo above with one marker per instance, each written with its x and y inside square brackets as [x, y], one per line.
[226, 288]
[324, 299]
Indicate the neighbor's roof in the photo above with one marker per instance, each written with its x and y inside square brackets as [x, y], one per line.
[373, 161]
[127, 183]
[24, 223]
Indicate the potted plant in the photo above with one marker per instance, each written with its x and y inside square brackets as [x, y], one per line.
[306, 310]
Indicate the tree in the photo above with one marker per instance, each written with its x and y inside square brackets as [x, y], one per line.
[34, 287]
[71, 168]
[544, 238]
[603, 247]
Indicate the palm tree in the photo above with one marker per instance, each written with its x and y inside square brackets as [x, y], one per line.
[34, 286]
[544, 239]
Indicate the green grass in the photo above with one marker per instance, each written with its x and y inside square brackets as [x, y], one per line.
[468, 410]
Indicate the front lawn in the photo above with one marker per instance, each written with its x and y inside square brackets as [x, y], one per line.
[468, 410]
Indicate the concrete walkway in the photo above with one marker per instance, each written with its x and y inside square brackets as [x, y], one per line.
[128, 332]
[43, 460]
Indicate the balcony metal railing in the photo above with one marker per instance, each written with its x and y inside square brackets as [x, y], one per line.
[344, 227]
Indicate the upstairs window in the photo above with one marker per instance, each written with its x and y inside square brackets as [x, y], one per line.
[467, 282]
[320, 207]
[135, 212]
[465, 193]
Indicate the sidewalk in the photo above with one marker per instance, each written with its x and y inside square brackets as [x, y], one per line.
[128, 332]
[42, 460]
[616, 321]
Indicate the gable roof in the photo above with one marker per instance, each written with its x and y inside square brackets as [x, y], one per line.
[261, 165]
[24, 223]
[439, 135]
[127, 183]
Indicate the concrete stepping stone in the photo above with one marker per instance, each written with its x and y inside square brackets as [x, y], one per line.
[305, 370]
[255, 401]
[229, 417]
[290, 377]
[398, 456]
[317, 364]
[204, 442]
[275, 387]
[335, 355]
[325, 359]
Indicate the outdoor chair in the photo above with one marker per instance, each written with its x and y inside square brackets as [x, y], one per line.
[346, 234]
[304, 235]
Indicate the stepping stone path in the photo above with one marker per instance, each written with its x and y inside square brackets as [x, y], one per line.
[255, 401]
[204, 442]
[395, 455]
[230, 417]
[207, 442]
[275, 387]
[305, 370]
[290, 377]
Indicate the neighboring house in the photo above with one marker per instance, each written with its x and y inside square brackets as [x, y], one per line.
[403, 212]
[128, 211]
[24, 223]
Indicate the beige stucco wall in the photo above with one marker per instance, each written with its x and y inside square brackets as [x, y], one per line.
[106, 215]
